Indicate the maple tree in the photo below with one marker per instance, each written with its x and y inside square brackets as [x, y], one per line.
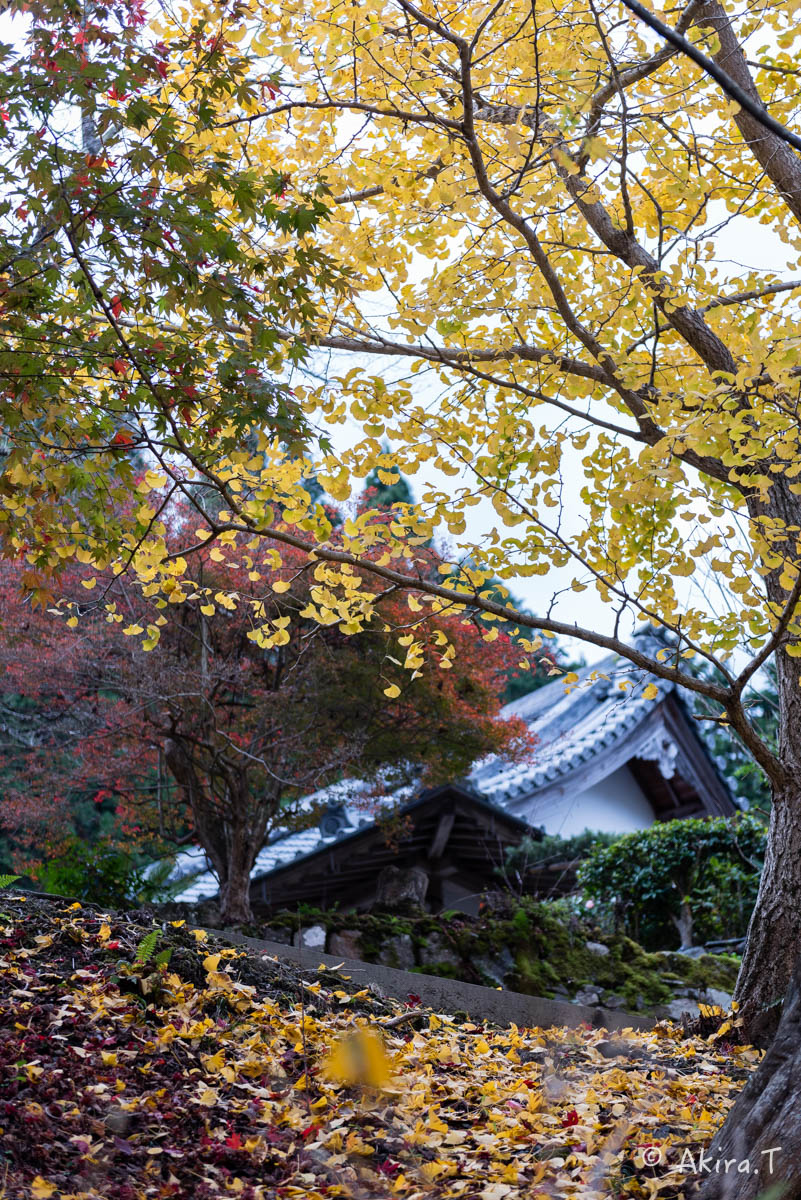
[516, 215]
[243, 730]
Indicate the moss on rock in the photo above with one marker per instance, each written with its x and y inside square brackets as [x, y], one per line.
[542, 949]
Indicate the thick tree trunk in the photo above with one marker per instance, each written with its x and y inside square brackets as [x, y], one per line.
[235, 890]
[233, 843]
[774, 932]
[760, 1139]
[231, 831]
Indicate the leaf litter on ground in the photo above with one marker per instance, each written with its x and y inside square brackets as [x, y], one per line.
[201, 1070]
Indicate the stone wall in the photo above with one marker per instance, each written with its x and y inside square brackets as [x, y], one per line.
[539, 949]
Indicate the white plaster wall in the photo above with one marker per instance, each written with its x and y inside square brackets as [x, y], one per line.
[615, 805]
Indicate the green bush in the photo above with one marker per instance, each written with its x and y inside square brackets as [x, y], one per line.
[96, 871]
[694, 878]
[530, 854]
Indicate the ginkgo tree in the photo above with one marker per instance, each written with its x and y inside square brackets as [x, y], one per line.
[510, 216]
[527, 200]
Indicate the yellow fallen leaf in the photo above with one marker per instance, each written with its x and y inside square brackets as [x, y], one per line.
[358, 1059]
[104, 932]
[215, 1062]
[211, 962]
[41, 1189]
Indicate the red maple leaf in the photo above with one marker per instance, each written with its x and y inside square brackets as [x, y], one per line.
[571, 1118]
[116, 306]
[233, 1141]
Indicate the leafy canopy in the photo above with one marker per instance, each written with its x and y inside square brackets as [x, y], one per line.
[526, 203]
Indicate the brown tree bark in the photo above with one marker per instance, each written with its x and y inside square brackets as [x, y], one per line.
[231, 831]
[774, 932]
[773, 944]
[761, 1138]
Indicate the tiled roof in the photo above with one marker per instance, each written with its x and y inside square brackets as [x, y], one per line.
[284, 847]
[572, 727]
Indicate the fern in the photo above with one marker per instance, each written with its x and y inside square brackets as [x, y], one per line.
[7, 880]
[144, 951]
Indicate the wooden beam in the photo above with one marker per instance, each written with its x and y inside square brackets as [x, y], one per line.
[440, 839]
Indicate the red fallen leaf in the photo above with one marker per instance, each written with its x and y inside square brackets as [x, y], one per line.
[115, 945]
[388, 1167]
[309, 1130]
[412, 1000]
[234, 1141]
[116, 305]
[571, 1118]
[123, 438]
[118, 366]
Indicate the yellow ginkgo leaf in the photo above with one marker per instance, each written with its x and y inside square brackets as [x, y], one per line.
[41, 1189]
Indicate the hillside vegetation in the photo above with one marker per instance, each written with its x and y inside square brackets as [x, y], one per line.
[138, 1061]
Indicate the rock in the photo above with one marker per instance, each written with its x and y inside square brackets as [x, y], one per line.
[398, 951]
[313, 937]
[345, 944]
[619, 1047]
[536, 1054]
[281, 936]
[676, 1010]
[716, 996]
[396, 887]
[596, 948]
[613, 1000]
[586, 996]
[690, 952]
[438, 950]
[496, 966]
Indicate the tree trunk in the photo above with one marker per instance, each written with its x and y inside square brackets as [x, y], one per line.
[235, 889]
[231, 831]
[774, 932]
[760, 1139]
[684, 924]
